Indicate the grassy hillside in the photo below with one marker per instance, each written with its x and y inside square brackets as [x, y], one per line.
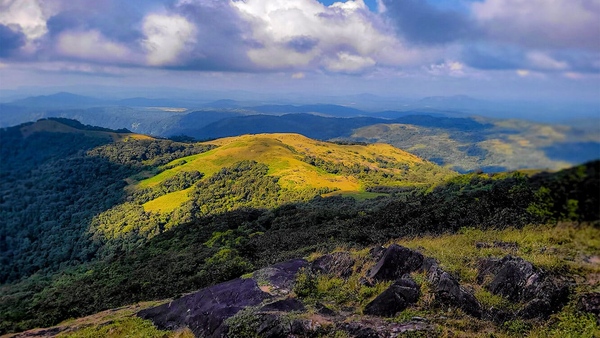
[299, 164]
[257, 171]
[90, 213]
[220, 246]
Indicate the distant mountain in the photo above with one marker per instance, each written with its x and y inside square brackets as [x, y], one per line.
[59, 100]
[467, 144]
[309, 125]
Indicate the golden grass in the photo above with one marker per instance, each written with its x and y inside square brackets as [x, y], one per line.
[168, 202]
[283, 153]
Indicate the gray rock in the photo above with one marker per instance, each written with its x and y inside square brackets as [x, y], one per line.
[519, 281]
[205, 311]
[284, 305]
[396, 262]
[590, 302]
[448, 292]
[395, 299]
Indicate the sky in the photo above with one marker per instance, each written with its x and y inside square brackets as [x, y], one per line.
[506, 49]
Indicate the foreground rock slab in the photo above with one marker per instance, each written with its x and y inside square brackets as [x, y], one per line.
[205, 311]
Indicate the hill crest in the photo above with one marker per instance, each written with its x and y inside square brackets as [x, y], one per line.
[53, 125]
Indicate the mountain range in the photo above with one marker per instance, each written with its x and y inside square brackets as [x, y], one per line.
[460, 141]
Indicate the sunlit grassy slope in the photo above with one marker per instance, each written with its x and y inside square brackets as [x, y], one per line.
[285, 153]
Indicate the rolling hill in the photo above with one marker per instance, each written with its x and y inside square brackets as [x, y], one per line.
[302, 164]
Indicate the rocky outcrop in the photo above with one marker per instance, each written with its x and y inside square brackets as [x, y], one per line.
[395, 299]
[265, 305]
[519, 281]
[395, 263]
[205, 311]
[590, 302]
[449, 293]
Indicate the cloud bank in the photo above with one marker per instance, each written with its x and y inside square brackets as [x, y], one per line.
[303, 36]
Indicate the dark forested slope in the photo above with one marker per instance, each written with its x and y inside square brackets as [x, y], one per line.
[55, 175]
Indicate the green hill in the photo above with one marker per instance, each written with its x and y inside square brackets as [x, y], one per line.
[258, 171]
[302, 164]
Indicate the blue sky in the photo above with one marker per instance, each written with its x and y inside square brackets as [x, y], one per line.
[510, 49]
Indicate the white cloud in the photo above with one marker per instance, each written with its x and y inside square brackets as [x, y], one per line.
[93, 46]
[344, 37]
[27, 14]
[167, 36]
[345, 62]
[542, 23]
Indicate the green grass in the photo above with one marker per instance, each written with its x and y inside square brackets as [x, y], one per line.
[117, 323]
[168, 202]
[554, 248]
[284, 155]
[131, 327]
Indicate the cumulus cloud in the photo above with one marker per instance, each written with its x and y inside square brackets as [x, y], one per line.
[302, 36]
[535, 35]
[167, 36]
[305, 34]
[93, 46]
[27, 16]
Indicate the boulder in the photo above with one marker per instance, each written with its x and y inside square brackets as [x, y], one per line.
[284, 305]
[511, 275]
[281, 276]
[359, 330]
[395, 299]
[519, 281]
[448, 292]
[322, 309]
[396, 262]
[205, 311]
